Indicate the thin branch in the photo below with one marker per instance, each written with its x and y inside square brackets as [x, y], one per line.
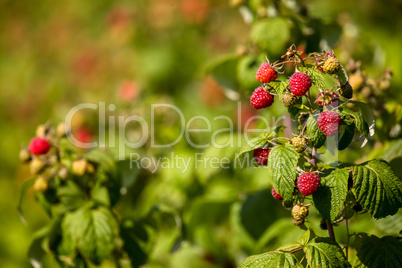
[330, 230]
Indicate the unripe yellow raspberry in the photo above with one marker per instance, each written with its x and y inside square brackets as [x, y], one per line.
[299, 144]
[331, 65]
[40, 185]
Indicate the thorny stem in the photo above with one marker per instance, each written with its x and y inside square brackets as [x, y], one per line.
[330, 230]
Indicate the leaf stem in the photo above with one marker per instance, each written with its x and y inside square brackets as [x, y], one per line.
[296, 250]
[330, 230]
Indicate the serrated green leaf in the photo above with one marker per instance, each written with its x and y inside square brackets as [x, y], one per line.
[367, 114]
[331, 195]
[351, 117]
[342, 75]
[325, 252]
[315, 135]
[92, 232]
[257, 142]
[375, 252]
[271, 260]
[346, 133]
[279, 86]
[377, 188]
[271, 35]
[282, 164]
[317, 77]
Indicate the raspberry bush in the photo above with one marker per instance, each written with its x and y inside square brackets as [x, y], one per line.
[306, 181]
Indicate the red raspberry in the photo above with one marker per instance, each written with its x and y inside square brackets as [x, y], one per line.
[39, 146]
[275, 194]
[308, 183]
[327, 98]
[329, 122]
[299, 83]
[261, 98]
[261, 156]
[265, 73]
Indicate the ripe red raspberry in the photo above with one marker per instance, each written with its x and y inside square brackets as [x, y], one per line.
[329, 122]
[299, 83]
[275, 194]
[265, 73]
[261, 156]
[39, 146]
[261, 98]
[327, 98]
[308, 183]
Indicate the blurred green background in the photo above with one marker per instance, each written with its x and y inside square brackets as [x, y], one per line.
[57, 54]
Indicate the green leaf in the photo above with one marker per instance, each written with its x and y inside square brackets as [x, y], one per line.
[307, 237]
[139, 238]
[297, 108]
[251, 218]
[246, 70]
[317, 77]
[393, 151]
[100, 194]
[367, 115]
[224, 71]
[342, 75]
[70, 195]
[325, 252]
[255, 143]
[351, 117]
[282, 164]
[346, 133]
[315, 135]
[271, 259]
[331, 195]
[92, 232]
[271, 35]
[24, 188]
[378, 252]
[279, 86]
[390, 224]
[377, 188]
